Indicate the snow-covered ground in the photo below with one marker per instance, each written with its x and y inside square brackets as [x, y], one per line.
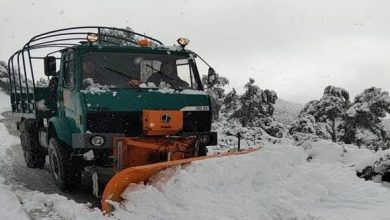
[10, 207]
[316, 180]
[276, 182]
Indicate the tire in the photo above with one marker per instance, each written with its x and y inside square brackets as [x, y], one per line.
[66, 172]
[34, 154]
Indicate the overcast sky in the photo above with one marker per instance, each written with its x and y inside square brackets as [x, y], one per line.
[296, 48]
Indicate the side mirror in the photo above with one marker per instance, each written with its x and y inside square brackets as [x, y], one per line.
[50, 66]
[211, 77]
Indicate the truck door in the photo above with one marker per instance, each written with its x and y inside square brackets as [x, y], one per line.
[68, 87]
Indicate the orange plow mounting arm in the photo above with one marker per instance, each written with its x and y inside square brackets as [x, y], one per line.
[120, 181]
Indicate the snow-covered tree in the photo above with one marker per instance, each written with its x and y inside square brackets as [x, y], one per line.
[255, 104]
[363, 119]
[42, 82]
[329, 110]
[331, 107]
[272, 127]
[216, 92]
[322, 130]
[304, 124]
[3, 69]
[4, 83]
[335, 117]
[231, 104]
[253, 109]
[120, 36]
[310, 108]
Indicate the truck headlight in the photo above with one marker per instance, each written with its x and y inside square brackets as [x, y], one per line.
[97, 141]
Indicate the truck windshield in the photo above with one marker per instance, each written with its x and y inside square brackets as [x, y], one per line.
[130, 70]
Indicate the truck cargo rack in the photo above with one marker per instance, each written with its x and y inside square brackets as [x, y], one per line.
[20, 65]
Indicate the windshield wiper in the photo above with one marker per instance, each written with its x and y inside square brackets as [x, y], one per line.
[166, 75]
[122, 74]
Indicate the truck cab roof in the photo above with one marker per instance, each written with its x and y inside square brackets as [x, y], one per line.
[169, 50]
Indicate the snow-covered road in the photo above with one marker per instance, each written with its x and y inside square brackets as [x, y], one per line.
[10, 207]
[32, 178]
[23, 185]
[276, 182]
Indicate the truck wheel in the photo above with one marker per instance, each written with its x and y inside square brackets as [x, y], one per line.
[34, 154]
[65, 171]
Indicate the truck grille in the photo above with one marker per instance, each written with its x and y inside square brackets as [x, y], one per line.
[196, 121]
[130, 123]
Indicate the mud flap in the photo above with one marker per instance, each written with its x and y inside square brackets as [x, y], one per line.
[119, 182]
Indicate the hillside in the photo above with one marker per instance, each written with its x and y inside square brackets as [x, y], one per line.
[286, 112]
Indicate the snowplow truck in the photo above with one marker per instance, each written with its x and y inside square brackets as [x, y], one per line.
[109, 97]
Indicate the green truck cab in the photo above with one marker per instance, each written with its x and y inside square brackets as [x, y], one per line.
[100, 82]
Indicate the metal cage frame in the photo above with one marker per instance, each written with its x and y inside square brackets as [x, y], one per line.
[20, 63]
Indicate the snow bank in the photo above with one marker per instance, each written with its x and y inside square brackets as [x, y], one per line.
[10, 208]
[323, 151]
[367, 163]
[276, 182]
[7, 141]
[370, 159]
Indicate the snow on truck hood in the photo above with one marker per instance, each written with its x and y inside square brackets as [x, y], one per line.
[140, 99]
[97, 89]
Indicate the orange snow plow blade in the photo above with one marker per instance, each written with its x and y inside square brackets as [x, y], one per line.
[120, 181]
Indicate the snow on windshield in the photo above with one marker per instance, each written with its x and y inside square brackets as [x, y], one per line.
[95, 88]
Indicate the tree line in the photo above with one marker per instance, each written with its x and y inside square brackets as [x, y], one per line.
[334, 116]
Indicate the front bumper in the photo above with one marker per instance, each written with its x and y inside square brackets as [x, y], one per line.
[83, 140]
